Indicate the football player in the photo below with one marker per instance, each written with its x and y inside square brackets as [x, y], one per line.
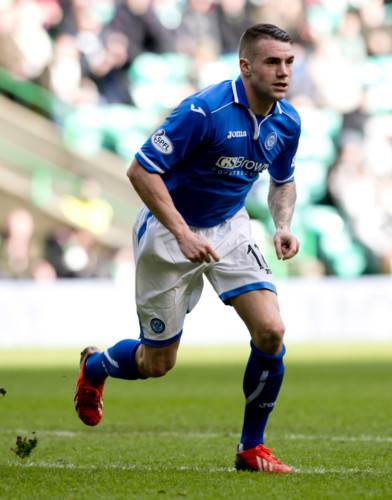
[193, 175]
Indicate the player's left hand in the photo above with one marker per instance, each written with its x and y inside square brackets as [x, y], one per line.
[286, 244]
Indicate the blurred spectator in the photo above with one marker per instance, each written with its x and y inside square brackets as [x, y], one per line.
[65, 71]
[102, 54]
[75, 254]
[43, 272]
[361, 186]
[379, 41]
[233, 19]
[199, 25]
[168, 12]
[25, 45]
[109, 71]
[18, 249]
[373, 13]
[349, 37]
[287, 14]
[336, 76]
[302, 82]
[88, 210]
[138, 22]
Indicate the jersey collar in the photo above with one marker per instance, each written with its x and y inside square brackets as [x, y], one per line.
[240, 97]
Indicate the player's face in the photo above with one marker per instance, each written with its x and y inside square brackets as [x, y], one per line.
[269, 74]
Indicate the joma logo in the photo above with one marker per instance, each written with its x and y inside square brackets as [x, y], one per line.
[236, 133]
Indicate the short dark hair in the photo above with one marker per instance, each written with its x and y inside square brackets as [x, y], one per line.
[257, 32]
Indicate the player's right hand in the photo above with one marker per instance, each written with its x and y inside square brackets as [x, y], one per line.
[197, 248]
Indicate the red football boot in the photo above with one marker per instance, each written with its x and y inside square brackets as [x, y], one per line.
[259, 459]
[88, 397]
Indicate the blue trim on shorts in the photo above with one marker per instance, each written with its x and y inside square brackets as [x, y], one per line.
[143, 227]
[158, 343]
[261, 285]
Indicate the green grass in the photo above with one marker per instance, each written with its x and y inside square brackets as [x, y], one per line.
[175, 437]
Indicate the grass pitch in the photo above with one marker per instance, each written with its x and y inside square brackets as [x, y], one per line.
[176, 436]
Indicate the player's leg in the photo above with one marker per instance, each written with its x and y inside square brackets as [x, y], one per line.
[167, 286]
[128, 360]
[263, 377]
[242, 279]
[259, 310]
[156, 361]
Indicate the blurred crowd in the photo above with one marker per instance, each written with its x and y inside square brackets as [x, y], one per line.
[65, 252]
[127, 63]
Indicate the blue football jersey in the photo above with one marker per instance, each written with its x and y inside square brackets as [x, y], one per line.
[212, 148]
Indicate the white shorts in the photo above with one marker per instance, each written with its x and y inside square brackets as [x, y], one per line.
[168, 285]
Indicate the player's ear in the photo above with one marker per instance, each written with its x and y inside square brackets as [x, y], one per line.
[245, 66]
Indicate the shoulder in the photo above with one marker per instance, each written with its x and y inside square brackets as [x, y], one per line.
[289, 113]
[211, 99]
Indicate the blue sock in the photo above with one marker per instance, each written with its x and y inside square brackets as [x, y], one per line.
[117, 361]
[262, 381]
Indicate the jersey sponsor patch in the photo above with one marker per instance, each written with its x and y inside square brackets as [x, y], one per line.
[234, 162]
[161, 142]
[270, 141]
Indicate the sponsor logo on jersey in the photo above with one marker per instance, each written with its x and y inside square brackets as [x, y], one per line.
[198, 110]
[236, 133]
[161, 142]
[270, 140]
[240, 162]
[157, 325]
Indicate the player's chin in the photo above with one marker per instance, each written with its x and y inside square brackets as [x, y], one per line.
[278, 96]
[279, 92]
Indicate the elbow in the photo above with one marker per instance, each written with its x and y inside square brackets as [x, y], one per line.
[139, 177]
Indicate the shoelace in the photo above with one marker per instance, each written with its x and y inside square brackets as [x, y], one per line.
[269, 452]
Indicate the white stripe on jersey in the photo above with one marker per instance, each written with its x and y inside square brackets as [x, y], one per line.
[151, 163]
[284, 180]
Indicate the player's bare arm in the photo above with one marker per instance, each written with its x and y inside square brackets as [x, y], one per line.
[281, 203]
[153, 192]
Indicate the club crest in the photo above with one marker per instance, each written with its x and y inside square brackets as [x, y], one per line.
[157, 325]
[270, 141]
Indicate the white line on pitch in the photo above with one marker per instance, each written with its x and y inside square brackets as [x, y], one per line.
[304, 437]
[205, 435]
[147, 468]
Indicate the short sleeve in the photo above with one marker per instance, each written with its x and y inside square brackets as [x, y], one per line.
[177, 137]
[283, 168]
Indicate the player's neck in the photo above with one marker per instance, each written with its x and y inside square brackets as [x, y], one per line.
[260, 108]
[257, 105]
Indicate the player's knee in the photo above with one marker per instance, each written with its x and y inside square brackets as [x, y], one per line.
[155, 362]
[159, 368]
[269, 336]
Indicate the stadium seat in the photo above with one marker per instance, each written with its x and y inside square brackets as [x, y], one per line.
[224, 68]
[377, 77]
[156, 81]
[82, 130]
[341, 254]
